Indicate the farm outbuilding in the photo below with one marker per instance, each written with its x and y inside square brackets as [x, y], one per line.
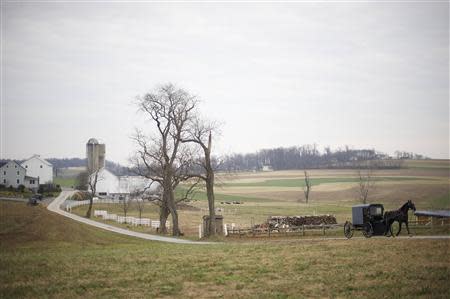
[40, 168]
[437, 217]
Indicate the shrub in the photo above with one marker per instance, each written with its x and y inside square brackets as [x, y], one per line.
[49, 188]
[21, 188]
[80, 196]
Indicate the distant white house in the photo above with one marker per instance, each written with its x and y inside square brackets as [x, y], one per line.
[267, 168]
[112, 186]
[39, 168]
[13, 174]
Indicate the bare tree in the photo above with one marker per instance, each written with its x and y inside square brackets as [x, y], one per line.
[365, 182]
[200, 133]
[82, 181]
[126, 204]
[140, 204]
[93, 179]
[161, 157]
[138, 196]
[307, 187]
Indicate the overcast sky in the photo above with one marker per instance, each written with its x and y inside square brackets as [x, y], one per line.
[372, 75]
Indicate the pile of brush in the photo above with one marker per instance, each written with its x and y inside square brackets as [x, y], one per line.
[289, 221]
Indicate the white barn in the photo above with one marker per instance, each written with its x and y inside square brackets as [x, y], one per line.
[112, 186]
[39, 168]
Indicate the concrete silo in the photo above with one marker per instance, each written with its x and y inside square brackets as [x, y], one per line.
[95, 154]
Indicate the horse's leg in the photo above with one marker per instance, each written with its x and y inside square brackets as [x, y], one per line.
[407, 227]
[386, 226]
[400, 227]
[388, 223]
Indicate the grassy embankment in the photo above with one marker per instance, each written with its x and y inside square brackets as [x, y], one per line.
[46, 255]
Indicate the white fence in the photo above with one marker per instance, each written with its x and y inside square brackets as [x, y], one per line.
[69, 204]
[129, 219]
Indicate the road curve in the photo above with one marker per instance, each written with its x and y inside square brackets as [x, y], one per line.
[54, 206]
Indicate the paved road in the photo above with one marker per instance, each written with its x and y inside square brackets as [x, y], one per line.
[54, 206]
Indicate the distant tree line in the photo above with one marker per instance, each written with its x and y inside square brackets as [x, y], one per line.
[310, 157]
[281, 158]
[115, 168]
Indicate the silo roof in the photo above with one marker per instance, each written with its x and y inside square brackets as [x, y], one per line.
[92, 141]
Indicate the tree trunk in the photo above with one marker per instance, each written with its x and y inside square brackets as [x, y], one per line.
[89, 211]
[164, 210]
[163, 215]
[173, 211]
[210, 188]
[212, 211]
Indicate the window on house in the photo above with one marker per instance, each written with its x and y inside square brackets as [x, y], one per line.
[4, 172]
[4, 181]
[18, 173]
[15, 166]
[26, 166]
[41, 166]
[18, 181]
[32, 182]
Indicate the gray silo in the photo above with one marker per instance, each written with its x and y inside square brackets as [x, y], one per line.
[95, 154]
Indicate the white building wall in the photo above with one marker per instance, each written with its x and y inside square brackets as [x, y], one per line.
[111, 185]
[107, 182]
[31, 182]
[12, 174]
[39, 168]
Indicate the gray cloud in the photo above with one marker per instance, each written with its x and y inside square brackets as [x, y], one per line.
[364, 74]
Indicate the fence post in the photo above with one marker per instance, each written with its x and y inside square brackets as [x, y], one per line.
[303, 230]
[200, 231]
[323, 228]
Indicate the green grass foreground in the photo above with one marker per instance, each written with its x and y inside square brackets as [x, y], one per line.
[44, 255]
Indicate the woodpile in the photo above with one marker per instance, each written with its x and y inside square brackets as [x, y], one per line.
[290, 221]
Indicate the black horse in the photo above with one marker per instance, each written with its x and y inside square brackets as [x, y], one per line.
[400, 215]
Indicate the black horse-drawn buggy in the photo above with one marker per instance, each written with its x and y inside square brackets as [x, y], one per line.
[367, 218]
[371, 220]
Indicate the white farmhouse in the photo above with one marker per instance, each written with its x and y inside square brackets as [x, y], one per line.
[112, 186]
[13, 174]
[39, 168]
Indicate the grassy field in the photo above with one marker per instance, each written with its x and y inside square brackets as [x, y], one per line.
[300, 182]
[46, 255]
[65, 182]
[265, 194]
[67, 176]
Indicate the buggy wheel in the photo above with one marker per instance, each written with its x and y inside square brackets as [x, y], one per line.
[348, 230]
[367, 230]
